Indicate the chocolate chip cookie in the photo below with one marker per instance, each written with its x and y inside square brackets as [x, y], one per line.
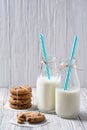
[26, 106]
[20, 90]
[21, 118]
[31, 117]
[35, 117]
[19, 102]
[21, 97]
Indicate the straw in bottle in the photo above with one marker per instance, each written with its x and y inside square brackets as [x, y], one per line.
[70, 62]
[45, 55]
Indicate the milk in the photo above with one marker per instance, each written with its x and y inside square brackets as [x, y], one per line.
[46, 93]
[67, 103]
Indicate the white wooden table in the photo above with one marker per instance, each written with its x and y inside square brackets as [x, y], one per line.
[56, 123]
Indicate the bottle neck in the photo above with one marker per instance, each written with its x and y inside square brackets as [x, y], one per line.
[52, 64]
[73, 80]
[64, 65]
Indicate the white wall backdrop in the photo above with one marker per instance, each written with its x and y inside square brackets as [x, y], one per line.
[21, 22]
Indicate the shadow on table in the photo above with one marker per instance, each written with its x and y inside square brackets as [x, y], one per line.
[83, 116]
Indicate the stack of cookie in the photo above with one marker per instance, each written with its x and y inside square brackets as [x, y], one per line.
[20, 97]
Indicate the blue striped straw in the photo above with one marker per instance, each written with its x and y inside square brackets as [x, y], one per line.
[45, 55]
[70, 62]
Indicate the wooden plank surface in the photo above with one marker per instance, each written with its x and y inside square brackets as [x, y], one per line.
[75, 24]
[21, 22]
[56, 122]
[4, 44]
[18, 34]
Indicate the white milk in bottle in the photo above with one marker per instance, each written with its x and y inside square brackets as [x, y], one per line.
[46, 93]
[46, 88]
[67, 102]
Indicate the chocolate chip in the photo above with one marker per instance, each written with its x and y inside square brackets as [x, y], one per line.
[34, 119]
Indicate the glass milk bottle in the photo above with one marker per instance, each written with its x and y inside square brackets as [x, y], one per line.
[67, 102]
[46, 88]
